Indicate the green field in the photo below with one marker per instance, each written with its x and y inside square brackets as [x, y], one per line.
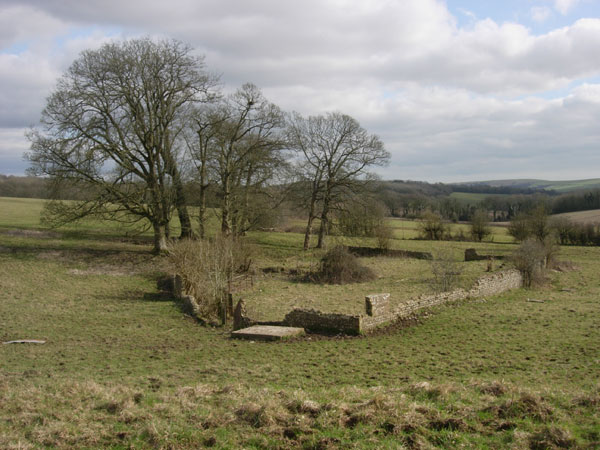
[472, 198]
[562, 186]
[123, 367]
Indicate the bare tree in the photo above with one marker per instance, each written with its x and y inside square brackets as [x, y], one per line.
[113, 125]
[335, 152]
[240, 148]
[480, 227]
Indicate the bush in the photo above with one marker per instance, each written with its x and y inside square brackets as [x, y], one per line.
[446, 271]
[207, 268]
[534, 224]
[519, 228]
[432, 227]
[360, 217]
[384, 235]
[339, 266]
[529, 259]
[575, 233]
[480, 227]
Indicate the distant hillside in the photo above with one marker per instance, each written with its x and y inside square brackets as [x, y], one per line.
[545, 185]
[584, 217]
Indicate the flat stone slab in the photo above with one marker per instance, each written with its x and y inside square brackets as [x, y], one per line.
[267, 333]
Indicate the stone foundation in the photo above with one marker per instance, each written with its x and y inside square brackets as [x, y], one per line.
[392, 253]
[313, 320]
[471, 255]
[378, 309]
[379, 312]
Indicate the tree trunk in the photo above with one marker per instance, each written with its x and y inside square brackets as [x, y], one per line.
[180, 203]
[323, 229]
[203, 189]
[202, 212]
[225, 214]
[186, 223]
[308, 232]
[311, 217]
[160, 238]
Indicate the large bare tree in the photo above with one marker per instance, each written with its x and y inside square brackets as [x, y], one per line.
[239, 148]
[334, 155]
[113, 127]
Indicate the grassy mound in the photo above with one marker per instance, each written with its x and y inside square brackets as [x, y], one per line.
[339, 266]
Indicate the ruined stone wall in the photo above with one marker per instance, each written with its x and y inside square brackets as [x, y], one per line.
[378, 308]
[313, 320]
[497, 283]
[492, 284]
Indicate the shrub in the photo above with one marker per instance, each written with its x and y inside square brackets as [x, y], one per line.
[432, 227]
[446, 271]
[534, 224]
[519, 228]
[480, 228]
[384, 235]
[563, 228]
[529, 259]
[207, 267]
[360, 217]
[575, 233]
[339, 266]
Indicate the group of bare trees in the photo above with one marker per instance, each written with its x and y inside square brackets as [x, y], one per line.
[334, 152]
[134, 121]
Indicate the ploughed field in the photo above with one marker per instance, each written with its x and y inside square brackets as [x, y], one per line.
[123, 367]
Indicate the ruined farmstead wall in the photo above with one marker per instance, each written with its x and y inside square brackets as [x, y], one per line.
[379, 311]
[492, 284]
[313, 320]
[378, 308]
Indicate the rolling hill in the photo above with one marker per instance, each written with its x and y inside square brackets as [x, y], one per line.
[546, 185]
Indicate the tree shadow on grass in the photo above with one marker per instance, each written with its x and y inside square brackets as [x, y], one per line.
[158, 297]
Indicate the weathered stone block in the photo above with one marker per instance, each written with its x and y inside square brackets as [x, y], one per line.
[240, 318]
[377, 304]
[178, 286]
[267, 333]
[190, 305]
[328, 323]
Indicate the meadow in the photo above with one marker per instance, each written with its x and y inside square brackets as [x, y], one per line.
[124, 367]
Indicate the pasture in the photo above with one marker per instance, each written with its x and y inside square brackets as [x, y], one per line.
[123, 367]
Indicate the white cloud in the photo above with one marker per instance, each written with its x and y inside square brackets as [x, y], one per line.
[440, 96]
[12, 147]
[540, 14]
[564, 6]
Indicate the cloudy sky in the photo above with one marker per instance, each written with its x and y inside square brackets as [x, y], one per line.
[458, 90]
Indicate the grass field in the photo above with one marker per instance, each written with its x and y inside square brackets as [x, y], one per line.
[591, 216]
[122, 367]
[472, 198]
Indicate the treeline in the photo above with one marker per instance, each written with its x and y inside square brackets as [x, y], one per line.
[411, 199]
[579, 201]
[408, 199]
[504, 190]
[25, 187]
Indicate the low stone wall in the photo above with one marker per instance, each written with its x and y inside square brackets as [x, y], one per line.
[496, 283]
[378, 308]
[471, 255]
[313, 320]
[379, 312]
[492, 284]
[393, 253]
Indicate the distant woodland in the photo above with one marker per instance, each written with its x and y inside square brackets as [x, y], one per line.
[400, 198]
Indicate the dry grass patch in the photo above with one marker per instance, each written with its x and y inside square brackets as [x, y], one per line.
[420, 415]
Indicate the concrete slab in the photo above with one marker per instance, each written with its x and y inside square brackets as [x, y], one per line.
[267, 333]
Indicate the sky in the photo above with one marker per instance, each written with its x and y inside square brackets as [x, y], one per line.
[458, 90]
